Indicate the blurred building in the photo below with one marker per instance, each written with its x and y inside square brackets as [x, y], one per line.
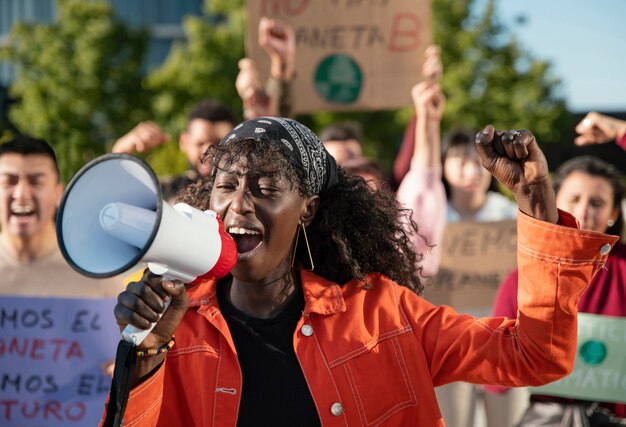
[162, 17]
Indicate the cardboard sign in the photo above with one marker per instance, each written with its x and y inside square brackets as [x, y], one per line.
[51, 353]
[475, 259]
[350, 54]
[600, 368]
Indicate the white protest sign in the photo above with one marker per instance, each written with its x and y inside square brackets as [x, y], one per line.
[600, 368]
[51, 356]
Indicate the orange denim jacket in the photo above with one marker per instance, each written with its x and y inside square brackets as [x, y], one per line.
[373, 357]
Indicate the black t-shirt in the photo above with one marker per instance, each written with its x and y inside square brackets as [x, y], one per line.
[275, 391]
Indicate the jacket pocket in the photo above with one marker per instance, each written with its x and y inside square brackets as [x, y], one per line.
[379, 381]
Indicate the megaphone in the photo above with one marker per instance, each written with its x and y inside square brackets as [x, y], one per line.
[112, 217]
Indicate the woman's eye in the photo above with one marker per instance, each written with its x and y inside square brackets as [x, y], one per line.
[267, 189]
[224, 186]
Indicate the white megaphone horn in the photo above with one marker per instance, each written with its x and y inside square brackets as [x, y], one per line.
[112, 217]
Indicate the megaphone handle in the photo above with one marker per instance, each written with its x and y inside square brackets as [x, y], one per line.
[135, 335]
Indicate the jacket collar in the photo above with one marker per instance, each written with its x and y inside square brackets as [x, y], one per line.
[321, 296]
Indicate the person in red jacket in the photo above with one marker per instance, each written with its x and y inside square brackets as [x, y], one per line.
[320, 321]
[592, 190]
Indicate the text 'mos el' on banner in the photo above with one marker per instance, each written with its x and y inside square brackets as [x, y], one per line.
[350, 54]
[52, 352]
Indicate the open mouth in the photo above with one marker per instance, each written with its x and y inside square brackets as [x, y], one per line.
[246, 240]
[22, 210]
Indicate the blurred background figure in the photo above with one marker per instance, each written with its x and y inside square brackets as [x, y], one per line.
[369, 170]
[31, 262]
[592, 190]
[421, 188]
[472, 194]
[343, 140]
[207, 123]
[598, 128]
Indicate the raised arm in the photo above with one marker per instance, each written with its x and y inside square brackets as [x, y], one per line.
[421, 189]
[143, 137]
[598, 128]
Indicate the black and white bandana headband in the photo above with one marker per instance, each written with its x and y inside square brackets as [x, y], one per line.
[307, 151]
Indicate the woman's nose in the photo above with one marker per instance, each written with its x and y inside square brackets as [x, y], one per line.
[581, 211]
[241, 202]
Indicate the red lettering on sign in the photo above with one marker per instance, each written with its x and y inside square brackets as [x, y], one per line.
[36, 348]
[74, 351]
[280, 7]
[47, 410]
[404, 34]
[39, 349]
[7, 410]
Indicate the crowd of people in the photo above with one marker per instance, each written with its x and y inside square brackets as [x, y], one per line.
[321, 321]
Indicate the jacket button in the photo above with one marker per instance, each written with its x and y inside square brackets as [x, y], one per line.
[307, 330]
[336, 409]
[605, 249]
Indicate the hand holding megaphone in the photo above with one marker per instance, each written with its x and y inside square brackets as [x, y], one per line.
[144, 306]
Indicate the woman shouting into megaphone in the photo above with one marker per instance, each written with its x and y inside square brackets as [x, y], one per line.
[320, 321]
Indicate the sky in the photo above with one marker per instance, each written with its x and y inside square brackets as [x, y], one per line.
[584, 40]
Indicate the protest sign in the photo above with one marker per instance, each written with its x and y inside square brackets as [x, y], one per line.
[600, 369]
[51, 356]
[475, 259]
[350, 54]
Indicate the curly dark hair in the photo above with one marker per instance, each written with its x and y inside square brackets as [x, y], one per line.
[355, 232]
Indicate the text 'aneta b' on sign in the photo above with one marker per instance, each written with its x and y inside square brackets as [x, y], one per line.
[475, 259]
[600, 369]
[350, 54]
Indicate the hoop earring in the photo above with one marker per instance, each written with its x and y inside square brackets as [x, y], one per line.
[308, 248]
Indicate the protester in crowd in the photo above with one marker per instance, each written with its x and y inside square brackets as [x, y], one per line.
[207, 123]
[369, 170]
[312, 326]
[598, 128]
[343, 140]
[209, 120]
[31, 263]
[421, 189]
[472, 193]
[473, 196]
[432, 70]
[591, 190]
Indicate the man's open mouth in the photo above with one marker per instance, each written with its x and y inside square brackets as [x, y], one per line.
[22, 210]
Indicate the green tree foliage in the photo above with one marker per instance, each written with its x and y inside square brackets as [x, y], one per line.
[78, 81]
[204, 66]
[489, 78]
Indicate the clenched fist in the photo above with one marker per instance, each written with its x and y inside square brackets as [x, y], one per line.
[515, 159]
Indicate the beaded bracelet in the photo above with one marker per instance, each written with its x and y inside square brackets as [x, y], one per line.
[154, 351]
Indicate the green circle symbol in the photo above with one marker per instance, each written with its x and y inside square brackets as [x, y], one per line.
[339, 79]
[593, 352]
